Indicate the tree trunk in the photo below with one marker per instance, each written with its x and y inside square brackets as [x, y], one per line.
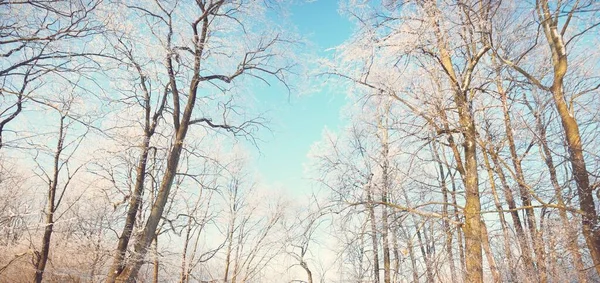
[459, 237]
[472, 226]
[42, 257]
[373, 234]
[396, 255]
[238, 251]
[489, 255]
[155, 263]
[525, 195]
[521, 236]
[538, 246]
[445, 217]
[181, 124]
[384, 139]
[425, 254]
[135, 199]
[385, 241]
[129, 273]
[184, 271]
[132, 211]
[230, 234]
[411, 254]
[461, 90]
[507, 247]
[308, 272]
[591, 229]
[572, 246]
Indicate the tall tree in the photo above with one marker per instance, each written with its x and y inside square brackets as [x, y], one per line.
[187, 65]
[431, 20]
[58, 179]
[559, 36]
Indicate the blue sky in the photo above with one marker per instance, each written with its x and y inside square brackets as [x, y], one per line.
[297, 121]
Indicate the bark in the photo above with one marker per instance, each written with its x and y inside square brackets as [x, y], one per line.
[181, 125]
[232, 215]
[425, 254]
[523, 190]
[135, 200]
[360, 271]
[572, 246]
[554, 38]
[521, 236]
[155, 263]
[184, 264]
[507, 247]
[489, 255]
[553, 255]
[129, 273]
[411, 254]
[459, 237]
[228, 256]
[445, 222]
[538, 246]
[385, 242]
[309, 276]
[472, 227]
[396, 255]
[49, 223]
[132, 211]
[461, 93]
[238, 251]
[373, 221]
[384, 139]
[42, 257]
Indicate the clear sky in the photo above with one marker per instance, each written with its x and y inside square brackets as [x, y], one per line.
[297, 121]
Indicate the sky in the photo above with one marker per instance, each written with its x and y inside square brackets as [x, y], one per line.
[297, 121]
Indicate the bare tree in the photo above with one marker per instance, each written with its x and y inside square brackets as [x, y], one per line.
[558, 39]
[185, 64]
[58, 179]
[430, 23]
[42, 40]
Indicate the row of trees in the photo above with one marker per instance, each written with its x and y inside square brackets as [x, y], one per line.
[474, 156]
[469, 153]
[118, 162]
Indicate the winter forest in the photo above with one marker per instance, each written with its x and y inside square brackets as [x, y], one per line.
[463, 142]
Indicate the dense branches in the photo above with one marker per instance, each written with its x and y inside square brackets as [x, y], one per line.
[467, 151]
